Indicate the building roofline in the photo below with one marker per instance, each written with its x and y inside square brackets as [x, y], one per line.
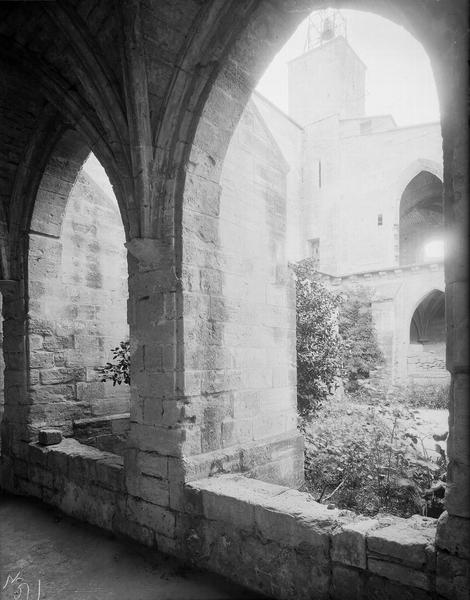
[325, 44]
[382, 116]
[279, 110]
[270, 135]
[416, 126]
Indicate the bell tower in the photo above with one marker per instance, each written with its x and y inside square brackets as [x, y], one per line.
[329, 77]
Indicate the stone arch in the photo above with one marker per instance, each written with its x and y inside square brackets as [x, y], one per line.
[424, 312]
[220, 104]
[76, 290]
[220, 100]
[421, 164]
[421, 217]
[427, 348]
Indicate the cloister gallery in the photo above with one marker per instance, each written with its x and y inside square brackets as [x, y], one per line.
[211, 461]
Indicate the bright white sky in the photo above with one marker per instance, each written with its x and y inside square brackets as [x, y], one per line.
[399, 80]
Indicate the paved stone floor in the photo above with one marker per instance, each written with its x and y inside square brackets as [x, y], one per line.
[59, 558]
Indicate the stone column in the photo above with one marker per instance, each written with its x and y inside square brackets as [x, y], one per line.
[16, 423]
[453, 537]
[158, 436]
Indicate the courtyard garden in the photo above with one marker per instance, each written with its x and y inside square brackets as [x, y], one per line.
[366, 449]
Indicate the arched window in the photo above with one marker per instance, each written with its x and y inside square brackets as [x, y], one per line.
[428, 320]
[421, 220]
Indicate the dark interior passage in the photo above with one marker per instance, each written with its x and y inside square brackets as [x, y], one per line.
[421, 217]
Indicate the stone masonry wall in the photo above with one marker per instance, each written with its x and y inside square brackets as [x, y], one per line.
[395, 293]
[240, 305]
[77, 310]
[268, 537]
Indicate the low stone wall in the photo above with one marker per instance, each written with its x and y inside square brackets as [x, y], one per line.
[288, 546]
[270, 538]
[108, 433]
[84, 482]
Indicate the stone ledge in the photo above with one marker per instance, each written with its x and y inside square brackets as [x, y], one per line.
[81, 463]
[271, 511]
[404, 541]
[247, 512]
[253, 458]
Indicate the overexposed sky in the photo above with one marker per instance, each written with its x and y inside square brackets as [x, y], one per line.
[93, 167]
[399, 80]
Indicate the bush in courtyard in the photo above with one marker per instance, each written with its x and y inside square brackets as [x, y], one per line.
[360, 350]
[318, 342]
[118, 370]
[427, 396]
[371, 460]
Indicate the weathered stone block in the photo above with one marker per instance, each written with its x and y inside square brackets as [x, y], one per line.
[87, 391]
[452, 577]
[53, 376]
[347, 584]
[110, 473]
[152, 516]
[150, 489]
[453, 535]
[219, 507]
[41, 476]
[381, 588]
[349, 543]
[402, 542]
[400, 573]
[151, 463]
[48, 437]
[157, 439]
[458, 489]
[290, 520]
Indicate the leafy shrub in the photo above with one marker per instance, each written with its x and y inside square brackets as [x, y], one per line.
[318, 342]
[118, 370]
[360, 350]
[427, 396]
[371, 460]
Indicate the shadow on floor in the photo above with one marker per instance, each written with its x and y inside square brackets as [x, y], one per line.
[56, 557]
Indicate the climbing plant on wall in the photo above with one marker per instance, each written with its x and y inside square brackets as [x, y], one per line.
[118, 370]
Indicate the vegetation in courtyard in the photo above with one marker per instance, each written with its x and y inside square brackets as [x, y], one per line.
[318, 341]
[336, 339]
[360, 352]
[118, 370]
[371, 459]
[367, 456]
[426, 396]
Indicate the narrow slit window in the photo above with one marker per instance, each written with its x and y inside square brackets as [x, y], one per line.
[380, 219]
[319, 173]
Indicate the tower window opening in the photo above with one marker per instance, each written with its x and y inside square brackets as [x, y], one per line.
[380, 219]
[365, 127]
[314, 251]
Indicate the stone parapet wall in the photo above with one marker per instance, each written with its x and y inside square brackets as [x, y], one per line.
[108, 433]
[268, 537]
[288, 546]
[379, 274]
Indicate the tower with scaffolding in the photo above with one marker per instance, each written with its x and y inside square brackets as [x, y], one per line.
[329, 77]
